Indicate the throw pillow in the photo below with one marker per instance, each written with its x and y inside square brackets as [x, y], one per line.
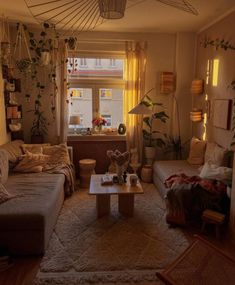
[13, 150]
[212, 171]
[4, 195]
[4, 166]
[58, 154]
[214, 154]
[197, 151]
[31, 162]
[33, 148]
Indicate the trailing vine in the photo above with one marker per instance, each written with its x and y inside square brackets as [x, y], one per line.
[217, 43]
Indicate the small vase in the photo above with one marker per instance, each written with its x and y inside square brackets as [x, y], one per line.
[99, 129]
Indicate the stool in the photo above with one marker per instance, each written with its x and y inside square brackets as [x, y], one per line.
[86, 169]
[212, 217]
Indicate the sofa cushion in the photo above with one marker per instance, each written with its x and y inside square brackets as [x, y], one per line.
[214, 154]
[33, 207]
[197, 151]
[13, 150]
[4, 166]
[31, 162]
[33, 148]
[165, 168]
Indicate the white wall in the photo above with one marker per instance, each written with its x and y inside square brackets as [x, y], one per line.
[4, 137]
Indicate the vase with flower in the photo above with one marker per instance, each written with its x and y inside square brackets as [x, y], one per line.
[98, 123]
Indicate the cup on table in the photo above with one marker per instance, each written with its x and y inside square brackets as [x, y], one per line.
[133, 180]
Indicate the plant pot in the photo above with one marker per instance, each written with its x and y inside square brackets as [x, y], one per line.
[37, 139]
[45, 58]
[150, 153]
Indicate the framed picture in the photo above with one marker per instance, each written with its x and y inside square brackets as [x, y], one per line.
[222, 113]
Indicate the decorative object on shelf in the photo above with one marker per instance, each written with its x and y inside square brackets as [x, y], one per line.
[78, 16]
[197, 86]
[167, 82]
[15, 127]
[98, 122]
[222, 113]
[217, 43]
[196, 115]
[120, 161]
[122, 129]
[75, 121]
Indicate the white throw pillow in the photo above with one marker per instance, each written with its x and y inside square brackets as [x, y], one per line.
[212, 171]
[214, 154]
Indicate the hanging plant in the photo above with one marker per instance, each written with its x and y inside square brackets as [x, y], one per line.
[217, 43]
[22, 63]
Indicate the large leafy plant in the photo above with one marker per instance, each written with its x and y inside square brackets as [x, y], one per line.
[149, 134]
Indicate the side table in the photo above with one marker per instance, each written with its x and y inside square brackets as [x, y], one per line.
[86, 169]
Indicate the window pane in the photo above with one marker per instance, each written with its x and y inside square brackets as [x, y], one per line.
[95, 67]
[111, 106]
[81, 104]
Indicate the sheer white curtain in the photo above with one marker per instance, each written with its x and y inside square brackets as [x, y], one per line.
[62, 99]
[134, 91]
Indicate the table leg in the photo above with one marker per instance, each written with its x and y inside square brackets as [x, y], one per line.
[102, 205]
[126, 204]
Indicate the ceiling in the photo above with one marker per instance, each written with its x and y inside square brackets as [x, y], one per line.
[143, 16]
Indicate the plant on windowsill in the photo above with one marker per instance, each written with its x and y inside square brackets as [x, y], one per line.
[98, 123]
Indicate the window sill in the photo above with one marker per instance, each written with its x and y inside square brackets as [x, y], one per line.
[96, 137]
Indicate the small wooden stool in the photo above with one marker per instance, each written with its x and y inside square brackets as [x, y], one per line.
[212, 217]
[86, 169]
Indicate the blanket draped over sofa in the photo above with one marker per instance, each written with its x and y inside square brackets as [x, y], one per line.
[190, 195]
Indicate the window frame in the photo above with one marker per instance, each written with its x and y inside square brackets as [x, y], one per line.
[96, 83]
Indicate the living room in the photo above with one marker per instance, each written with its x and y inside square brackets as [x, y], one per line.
[185, 55]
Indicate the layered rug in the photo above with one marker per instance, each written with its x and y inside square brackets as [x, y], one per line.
[113, 249]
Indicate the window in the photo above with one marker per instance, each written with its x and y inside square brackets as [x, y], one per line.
[99, 88]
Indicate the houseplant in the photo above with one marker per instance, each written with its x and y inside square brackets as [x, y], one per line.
[151, 141]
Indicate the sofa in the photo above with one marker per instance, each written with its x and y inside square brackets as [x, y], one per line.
[206, 160]
[27, 219]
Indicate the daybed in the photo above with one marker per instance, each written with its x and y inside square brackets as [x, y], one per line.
[189, 186]
[27, 219]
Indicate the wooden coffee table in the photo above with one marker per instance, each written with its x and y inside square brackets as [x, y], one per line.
[126, 194]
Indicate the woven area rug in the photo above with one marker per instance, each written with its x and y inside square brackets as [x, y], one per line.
[113, 249]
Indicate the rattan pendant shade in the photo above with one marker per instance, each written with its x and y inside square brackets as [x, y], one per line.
[112, 9]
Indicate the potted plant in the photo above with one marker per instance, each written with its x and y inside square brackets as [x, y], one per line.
[149, 135]
[39, 127]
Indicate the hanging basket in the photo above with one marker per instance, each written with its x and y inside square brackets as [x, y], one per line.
[23, 61]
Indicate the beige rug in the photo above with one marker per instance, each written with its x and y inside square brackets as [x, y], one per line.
[114, 249]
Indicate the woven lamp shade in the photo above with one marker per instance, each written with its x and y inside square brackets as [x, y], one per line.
[197, 86]
[196, 115]
[167, 82]
[112, 9]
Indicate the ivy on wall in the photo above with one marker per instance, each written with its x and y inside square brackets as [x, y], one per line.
[217, 43]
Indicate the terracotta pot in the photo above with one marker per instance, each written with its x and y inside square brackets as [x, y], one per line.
[147, 173]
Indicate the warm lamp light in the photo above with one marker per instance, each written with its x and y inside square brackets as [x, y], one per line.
[196, 115]
[167, 82]
[112, 9]
[197, 86]
[75, 121]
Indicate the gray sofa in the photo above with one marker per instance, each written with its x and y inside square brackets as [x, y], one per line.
[27, 220]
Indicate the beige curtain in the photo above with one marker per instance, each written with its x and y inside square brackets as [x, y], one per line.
[62, 99]
[134, 91]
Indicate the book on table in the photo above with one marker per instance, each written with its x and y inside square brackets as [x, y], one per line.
[107, 179]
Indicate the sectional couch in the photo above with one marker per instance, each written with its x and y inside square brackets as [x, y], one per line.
[28, 218]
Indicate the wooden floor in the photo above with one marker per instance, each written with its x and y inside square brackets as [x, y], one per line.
[22, 272]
